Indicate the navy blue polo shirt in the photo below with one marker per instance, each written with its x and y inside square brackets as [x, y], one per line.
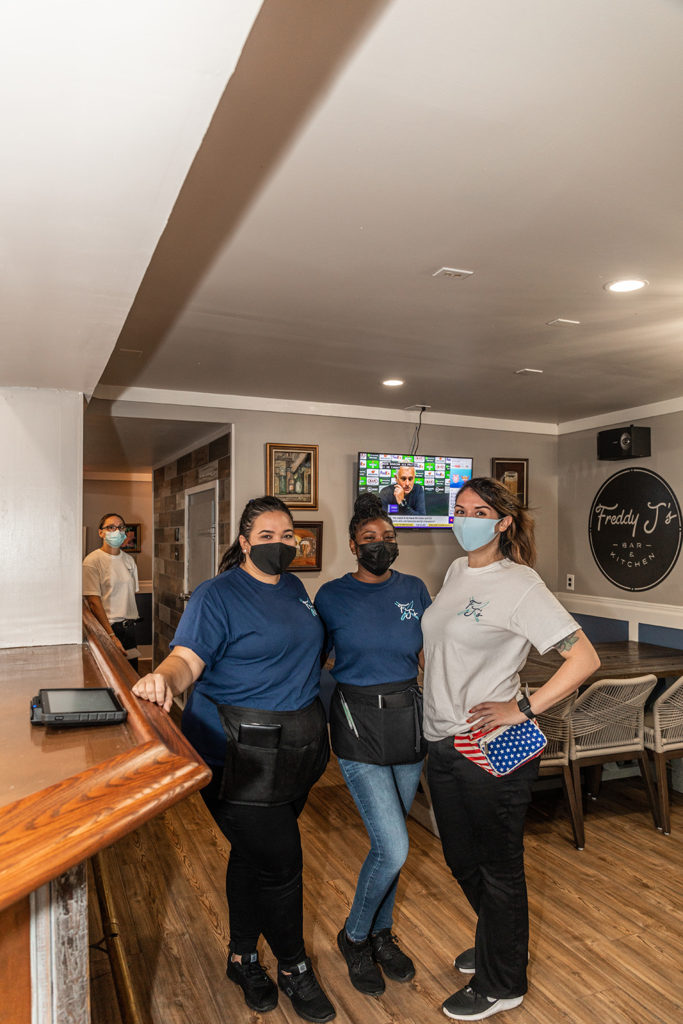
[374, 627]
[261, 644]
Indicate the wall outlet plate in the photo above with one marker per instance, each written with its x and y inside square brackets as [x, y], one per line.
[570, 581]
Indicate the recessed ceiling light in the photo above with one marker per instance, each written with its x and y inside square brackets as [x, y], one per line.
[452, 272]
[526, 370]
[631, 285]
[558, 321]
[393, 382]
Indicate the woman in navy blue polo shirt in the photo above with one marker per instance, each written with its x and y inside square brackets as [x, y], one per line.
[251, 641]
[372, 619]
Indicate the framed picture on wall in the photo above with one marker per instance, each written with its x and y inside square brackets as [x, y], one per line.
[309, 547]
[133, 539]
[514, 474]
[292, 474]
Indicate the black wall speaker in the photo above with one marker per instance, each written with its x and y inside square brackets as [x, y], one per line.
[624, 443]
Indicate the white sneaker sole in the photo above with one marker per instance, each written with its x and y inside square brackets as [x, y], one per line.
[497, 1006]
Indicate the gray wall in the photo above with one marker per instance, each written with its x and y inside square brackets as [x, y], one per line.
[424, 553]
[581, 475]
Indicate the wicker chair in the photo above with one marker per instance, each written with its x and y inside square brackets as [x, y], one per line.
[555, 758]
[607, 724]
[664, 741]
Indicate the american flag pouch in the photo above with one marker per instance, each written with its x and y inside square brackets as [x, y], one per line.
[510, 746]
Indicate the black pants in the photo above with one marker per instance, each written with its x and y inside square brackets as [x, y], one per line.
[481, 822]
[263, 881]
[125, 632]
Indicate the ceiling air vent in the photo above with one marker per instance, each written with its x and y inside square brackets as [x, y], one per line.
[452, 272]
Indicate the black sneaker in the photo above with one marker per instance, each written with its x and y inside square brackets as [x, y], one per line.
[465, 962]
[260, 991]
[302, 987]
[364, 973]
[470, 1005]
[391, 958]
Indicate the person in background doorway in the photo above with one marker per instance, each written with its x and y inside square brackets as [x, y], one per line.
[110, 583]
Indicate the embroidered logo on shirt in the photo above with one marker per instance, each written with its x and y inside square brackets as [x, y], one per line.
[407, 611]
[475, 609]
[306, 602]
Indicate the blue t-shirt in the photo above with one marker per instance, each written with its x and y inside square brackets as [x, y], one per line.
[261, 645]
[374, 627]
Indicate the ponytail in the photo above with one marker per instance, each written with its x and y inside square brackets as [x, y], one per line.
[368, 506]
[255, 507]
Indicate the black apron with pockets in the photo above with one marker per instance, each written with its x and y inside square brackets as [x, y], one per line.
[278, 759]
[379, 724]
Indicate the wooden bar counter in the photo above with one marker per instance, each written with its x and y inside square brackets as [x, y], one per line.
[67, 793]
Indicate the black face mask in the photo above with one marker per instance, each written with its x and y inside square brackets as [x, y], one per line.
[272, 558]
[377, 556]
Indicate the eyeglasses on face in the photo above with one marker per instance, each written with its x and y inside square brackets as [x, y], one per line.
[113, 527]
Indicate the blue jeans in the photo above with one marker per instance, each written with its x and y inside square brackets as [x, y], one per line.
[383, 795]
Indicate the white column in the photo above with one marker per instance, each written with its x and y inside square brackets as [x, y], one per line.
[41, 485]
[60, 992]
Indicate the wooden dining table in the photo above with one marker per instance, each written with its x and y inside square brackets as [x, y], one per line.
[620, 659]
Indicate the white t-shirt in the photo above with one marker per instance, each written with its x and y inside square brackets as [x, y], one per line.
[114, 578]
[477, 636]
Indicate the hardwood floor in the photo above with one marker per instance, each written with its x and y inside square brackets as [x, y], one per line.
[606, 923]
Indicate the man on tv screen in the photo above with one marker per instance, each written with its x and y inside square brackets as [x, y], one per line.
[404, 497]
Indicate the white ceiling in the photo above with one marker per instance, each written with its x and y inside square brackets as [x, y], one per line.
[102, 109]
[357, 148]
[538, 144]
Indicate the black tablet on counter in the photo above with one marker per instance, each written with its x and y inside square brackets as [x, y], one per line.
[66, 706]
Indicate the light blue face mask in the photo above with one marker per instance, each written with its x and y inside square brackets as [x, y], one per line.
[473, 532]
[115, 539]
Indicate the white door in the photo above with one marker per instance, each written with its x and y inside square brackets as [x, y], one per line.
[201, 548]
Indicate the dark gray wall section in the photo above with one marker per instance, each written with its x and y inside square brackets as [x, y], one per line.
[664, 636]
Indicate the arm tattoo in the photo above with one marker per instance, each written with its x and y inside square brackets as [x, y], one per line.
[566, 645]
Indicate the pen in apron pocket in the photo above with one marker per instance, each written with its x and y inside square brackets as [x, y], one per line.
[349, 718]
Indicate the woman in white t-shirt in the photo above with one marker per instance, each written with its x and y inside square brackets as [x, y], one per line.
[110, 583]
[477, 635]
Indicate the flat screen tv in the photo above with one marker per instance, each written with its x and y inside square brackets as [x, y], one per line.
[417, 491]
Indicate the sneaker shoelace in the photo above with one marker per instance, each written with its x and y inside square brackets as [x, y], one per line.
[362, 956]
[252, 968]
[305, 984]
[389, 945]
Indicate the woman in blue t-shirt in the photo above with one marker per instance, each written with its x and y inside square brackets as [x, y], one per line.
[251, 641]
[372, 619]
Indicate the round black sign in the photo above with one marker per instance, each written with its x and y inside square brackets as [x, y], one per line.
[635, 529]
